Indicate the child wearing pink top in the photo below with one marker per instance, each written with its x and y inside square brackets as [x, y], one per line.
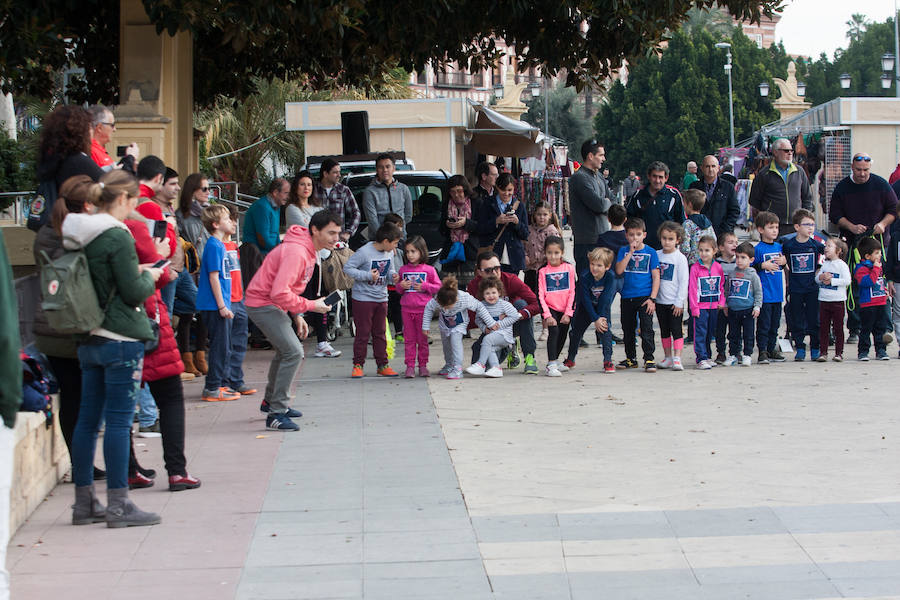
[418, 283]
[556, 293]
[706, 295]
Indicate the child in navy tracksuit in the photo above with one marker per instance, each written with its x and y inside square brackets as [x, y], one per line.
[768, 260]
[802, 254]
[593, 305]
[872, 299]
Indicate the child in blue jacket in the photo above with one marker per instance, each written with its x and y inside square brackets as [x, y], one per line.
[593, 304]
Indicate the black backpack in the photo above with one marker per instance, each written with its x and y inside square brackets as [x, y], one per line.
[41, 205]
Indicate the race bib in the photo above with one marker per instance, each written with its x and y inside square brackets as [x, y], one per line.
[414, 277]
[830, 287]
[451, 321]
[803, 263]
[771, 256]
[556, 282]
[666, 271]
[232, 262]
[880, 291]
[739, 288]
[383, 267]
[639, 263]
[709, 288]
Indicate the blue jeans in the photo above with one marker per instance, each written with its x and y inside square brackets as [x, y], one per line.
[767, 326]
[147, 413]
[235, 376]
[704, 330]
[804, 318]
[185, 294]
[168, 295]
[219, 331]
[110, 379]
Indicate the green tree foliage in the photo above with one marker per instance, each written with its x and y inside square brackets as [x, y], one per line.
[567, 120]
[856, 26]
[350, 41]
[675, 108]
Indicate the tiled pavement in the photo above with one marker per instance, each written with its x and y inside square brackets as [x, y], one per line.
[729, 484]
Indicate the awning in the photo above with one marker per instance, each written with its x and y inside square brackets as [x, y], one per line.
[499, 135]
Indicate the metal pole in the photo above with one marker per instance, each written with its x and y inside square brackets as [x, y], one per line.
[547, 108]
[730, 97]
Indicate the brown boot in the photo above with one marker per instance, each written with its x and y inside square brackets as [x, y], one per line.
[200, 361]
[188, 359]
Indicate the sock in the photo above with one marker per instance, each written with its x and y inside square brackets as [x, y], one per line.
[666, 344]
[678, 344]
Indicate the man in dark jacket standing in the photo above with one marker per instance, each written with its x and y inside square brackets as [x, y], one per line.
[656, 203]
[781, 188]
[721, 206]
[588, 202]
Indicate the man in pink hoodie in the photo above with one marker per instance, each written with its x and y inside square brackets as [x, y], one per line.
[274, 295]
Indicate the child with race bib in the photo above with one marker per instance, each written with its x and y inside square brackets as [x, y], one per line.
[418, 283]
[556, 293]
[453, 308]
[705, 296]
[502, 314]
[673, 290]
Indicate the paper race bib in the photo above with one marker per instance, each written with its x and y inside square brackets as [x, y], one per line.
[739, 288]
[414, 277]
[803, 263]
[383, 267]
[830, 287]
[666, 271]
[639, 263]
[451, 321]
[880, 291]
[771, 256]
[556, 282]
[709, 288]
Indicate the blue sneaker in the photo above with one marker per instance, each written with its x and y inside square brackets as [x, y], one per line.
[800, 354]
[882, 355]
[294, 414]
[280, 422]
[814, 353]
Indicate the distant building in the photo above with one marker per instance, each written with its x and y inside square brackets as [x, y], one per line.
[763, 33]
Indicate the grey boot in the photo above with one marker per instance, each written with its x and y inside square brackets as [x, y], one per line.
[121, 512]
[87, 509]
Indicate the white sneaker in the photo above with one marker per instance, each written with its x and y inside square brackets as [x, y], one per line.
[494, 372]
[543, 336]
[704, 365]
[746, 361]
[325, 350]
[676, 364]
[475, 369]
[666, 363]
[562, 367]
[730, 361]
[553, 370]
[444, 370]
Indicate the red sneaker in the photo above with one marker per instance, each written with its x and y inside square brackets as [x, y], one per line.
[569, 363]
[139, 481]
[178, 483]
[609, 367]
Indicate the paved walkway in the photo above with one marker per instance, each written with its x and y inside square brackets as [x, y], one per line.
[768, 482]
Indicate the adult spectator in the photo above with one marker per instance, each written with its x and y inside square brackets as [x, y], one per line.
[487, 264]
[861, 204]
[782, 188]
[727, 173]
[261, 221]
[630, 186]
[10, 399]
[386, 195]
[274, 295]
[588, 202]
[103, 124]
[486, 175]
[656, 203]
[608, 179]
[721, 206]
[690, 176]
[334, 196]
[194, 198]
[301, 204]
[151, 172]
[463, 224]
[165, 199]
[503, 224]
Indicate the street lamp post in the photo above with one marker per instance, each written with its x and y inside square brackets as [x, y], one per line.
[727, 47]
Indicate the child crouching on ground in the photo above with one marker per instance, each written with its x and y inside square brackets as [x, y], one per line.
[706, 297]
[595, 292]
[556, 293]
[503, 314]
[673, 290]
[744, 298]
[453, 321]
[418, 283]
[833, 278]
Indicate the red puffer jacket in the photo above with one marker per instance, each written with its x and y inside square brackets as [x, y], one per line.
[166, 360]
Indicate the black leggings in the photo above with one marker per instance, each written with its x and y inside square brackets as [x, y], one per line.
[669, 324]
[68, 374]
[556, 336]
[169, 396]
[318, 324]
[183, 333]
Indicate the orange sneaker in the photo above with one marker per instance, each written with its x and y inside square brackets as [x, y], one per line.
[387, 371]
[219, 395]
[357, 372]
[244, 390]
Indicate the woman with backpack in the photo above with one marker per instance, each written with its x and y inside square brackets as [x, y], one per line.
[111, 357]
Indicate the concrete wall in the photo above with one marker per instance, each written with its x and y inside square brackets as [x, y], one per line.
[875, 129]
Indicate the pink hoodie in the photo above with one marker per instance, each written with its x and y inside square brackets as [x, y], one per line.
[284, 274]
[712, 287]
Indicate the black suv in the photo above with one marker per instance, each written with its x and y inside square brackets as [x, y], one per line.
[429, 196]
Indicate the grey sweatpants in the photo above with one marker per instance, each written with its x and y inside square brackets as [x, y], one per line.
[277, 327]
[453, 348]
[491, 343]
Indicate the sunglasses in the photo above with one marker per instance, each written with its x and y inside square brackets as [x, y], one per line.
[113, 125]
[491, 269]
[862, 157]
[204, 189]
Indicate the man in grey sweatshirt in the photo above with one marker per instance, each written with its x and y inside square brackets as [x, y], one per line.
[386, 195]
[588, 202]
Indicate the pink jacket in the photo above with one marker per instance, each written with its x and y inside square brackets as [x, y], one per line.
[412, 300]
[556, 289]
[284, 274]
[711, 282]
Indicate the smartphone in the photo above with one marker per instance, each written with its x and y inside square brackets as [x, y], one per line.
[332, 298]
[159, 229]
[120, 150]
[162, 263]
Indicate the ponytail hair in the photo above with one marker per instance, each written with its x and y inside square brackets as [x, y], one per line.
[449, 292]
[113, 184]
[74, 194]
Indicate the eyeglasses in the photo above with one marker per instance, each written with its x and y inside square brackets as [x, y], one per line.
[807, 225]
[491, 269]
[862, 157]
[113, 125]
[788, 150]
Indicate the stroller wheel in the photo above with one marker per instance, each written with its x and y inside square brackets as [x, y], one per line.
[331, 333]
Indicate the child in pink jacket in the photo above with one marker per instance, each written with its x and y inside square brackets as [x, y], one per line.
[418, 283]
[706, 295]
[556, 293]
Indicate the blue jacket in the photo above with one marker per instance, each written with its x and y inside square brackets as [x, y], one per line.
[594, 297]
[262, 218]
[512, 236]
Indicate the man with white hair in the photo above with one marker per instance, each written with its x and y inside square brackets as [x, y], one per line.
[781, 188]
[689, 177]
[103, 124]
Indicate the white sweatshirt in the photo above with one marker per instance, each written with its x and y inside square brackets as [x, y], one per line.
[840, 279]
